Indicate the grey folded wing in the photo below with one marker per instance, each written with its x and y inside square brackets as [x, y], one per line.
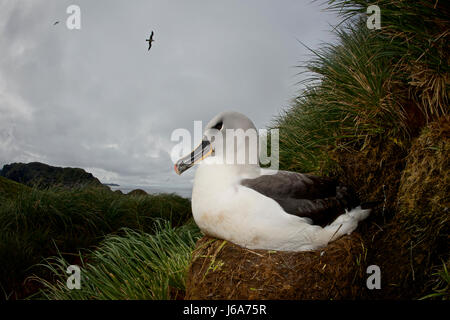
[320, 199]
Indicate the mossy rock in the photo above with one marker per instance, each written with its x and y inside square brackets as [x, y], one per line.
[374, 172]
[416, 240]
[425, 184]
[223, 270]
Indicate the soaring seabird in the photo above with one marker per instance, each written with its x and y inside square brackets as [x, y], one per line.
[260, 208]
[150, 40]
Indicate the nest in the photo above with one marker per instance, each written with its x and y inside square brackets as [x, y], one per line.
[223, 270]
[407, 236]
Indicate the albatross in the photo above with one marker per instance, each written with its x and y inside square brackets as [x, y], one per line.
[150, 40]
[258, 208]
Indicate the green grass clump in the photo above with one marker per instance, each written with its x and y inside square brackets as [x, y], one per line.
[441, 288]
[36, 224]
[135, 265]
[417, 33]
[10, 189]
[384, 83]
[347, 101]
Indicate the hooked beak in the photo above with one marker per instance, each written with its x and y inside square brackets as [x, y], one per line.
[203, 150]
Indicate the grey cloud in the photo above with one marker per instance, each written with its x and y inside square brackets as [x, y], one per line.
[95, 98]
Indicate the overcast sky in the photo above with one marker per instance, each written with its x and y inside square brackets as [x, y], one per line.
[95, 98]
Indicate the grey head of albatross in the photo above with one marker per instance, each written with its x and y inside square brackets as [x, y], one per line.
[229, 138]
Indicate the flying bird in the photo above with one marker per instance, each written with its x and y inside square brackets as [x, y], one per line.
[261, 208]
[56, 22]
[150, 40]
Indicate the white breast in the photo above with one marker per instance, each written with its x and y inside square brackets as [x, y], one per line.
[223, 208]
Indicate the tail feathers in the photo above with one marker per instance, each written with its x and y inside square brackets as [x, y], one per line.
[359, 213]
[347, 222]
[344, 224]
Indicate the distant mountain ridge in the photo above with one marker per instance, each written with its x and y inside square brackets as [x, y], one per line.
[43, 175]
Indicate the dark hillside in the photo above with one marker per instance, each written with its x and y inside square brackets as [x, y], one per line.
[44, 176]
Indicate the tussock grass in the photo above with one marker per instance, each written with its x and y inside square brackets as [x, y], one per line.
[135, 265]
[372, 83]
[9, 188]
[441, 288]
[417, 32]
[36, 224]
[348, 99]
[361, 117]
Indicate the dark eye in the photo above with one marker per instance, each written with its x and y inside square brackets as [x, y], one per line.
[218, 126]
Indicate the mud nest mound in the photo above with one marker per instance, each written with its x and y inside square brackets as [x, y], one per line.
[223, 270]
